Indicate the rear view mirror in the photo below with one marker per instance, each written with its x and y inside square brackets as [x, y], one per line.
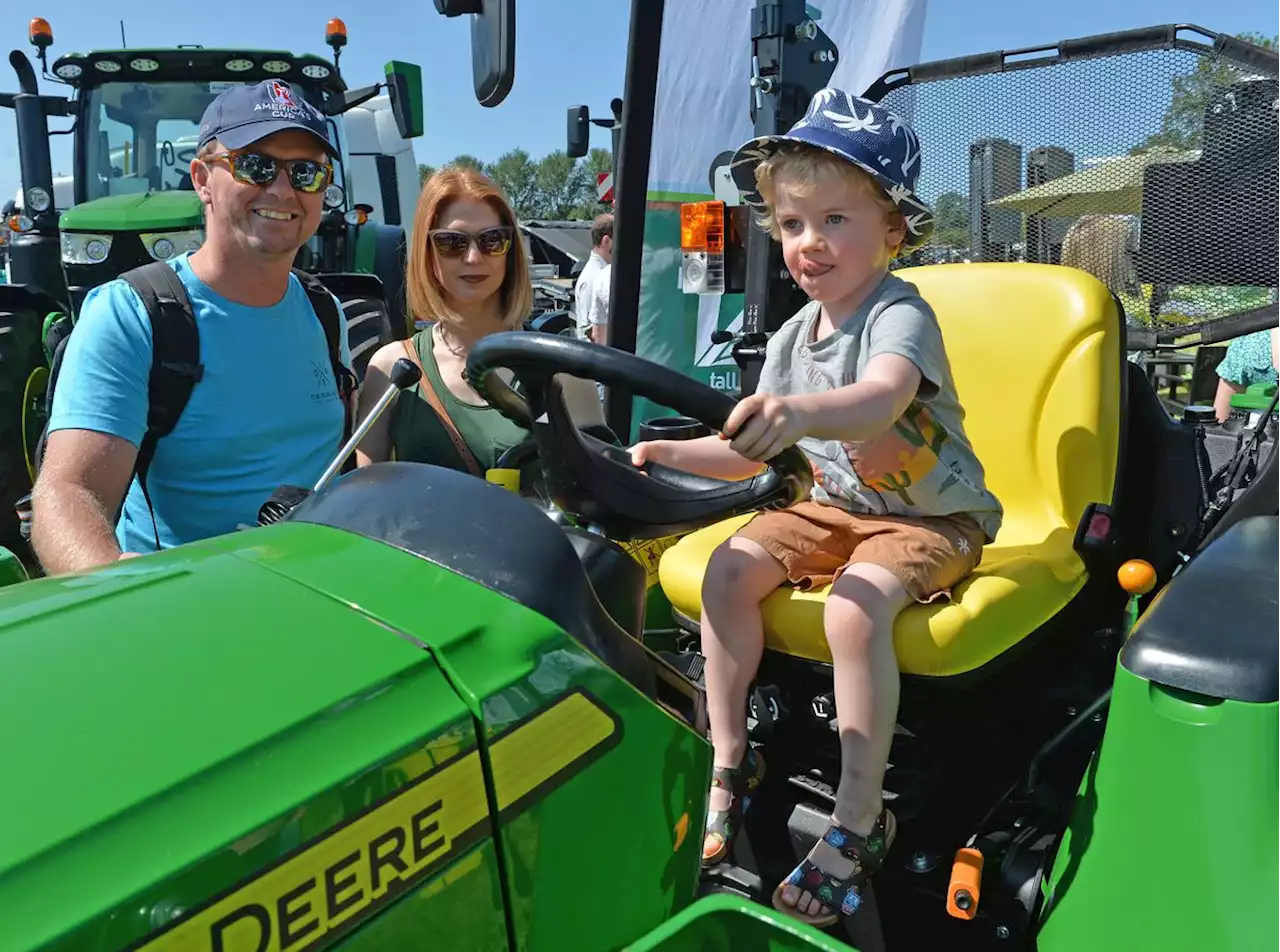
[404, 86]
[579, 132]
[493, 44]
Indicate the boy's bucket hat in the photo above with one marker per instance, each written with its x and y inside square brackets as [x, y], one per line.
[858, 131]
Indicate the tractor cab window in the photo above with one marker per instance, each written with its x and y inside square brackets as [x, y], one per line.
[141, 137]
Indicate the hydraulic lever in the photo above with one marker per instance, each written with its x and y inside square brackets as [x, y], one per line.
[404, 374]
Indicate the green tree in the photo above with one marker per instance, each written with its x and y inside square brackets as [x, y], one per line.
[562, 185]
[466, 161]
[517, 175]
[1183, 121]
[554, 187]
[599, 160]
[951, 220]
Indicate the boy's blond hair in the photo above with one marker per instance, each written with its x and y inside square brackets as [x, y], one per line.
[804, 163]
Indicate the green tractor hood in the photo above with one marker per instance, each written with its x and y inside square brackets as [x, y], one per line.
[295, 734]
[174, 724]
[145, 211]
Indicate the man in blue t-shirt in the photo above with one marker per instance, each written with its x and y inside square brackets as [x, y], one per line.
[266, 411]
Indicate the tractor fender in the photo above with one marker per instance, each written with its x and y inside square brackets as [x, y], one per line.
[390, 263]
[352, 283]
[368, 315]
[28, 297]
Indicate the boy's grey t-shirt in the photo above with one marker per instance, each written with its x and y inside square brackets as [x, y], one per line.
[924, 464]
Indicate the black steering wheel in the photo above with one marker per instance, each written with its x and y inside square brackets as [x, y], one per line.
[595, 481]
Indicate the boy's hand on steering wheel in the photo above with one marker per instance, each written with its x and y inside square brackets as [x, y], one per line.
[763, 425]
[650, 451]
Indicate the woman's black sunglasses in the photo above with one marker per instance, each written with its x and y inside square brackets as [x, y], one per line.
[454, 244]
[254, 168]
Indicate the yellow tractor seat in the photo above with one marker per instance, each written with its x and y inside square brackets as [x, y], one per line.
[1036, 352]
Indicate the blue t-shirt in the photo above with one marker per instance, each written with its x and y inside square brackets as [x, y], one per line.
[266, 412]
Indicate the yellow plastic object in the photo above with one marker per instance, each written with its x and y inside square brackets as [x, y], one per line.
[648, 552]
[506, 478]
[1035, 351]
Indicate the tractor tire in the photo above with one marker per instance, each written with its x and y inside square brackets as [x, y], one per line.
[23, 372]
[368, 328]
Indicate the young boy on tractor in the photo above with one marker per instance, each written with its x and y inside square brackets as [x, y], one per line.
[900, 513]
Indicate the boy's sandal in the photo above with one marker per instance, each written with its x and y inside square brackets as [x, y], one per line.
[841, 895]
[723, 825]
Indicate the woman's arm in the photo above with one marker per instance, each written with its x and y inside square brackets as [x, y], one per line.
[376, 445]
[1222, 399]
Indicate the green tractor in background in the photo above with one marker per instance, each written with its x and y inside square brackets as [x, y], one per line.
[413, 709]
[136, 118]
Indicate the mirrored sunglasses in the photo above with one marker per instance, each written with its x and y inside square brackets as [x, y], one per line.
[454, 244]
[253, 168]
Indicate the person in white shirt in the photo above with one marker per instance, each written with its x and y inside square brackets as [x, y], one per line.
[597, 329]
[584, 300]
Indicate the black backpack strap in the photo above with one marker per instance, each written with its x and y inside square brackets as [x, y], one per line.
[327, 313]
[175, 360]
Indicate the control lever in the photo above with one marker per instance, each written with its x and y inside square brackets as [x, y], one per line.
[404, 374]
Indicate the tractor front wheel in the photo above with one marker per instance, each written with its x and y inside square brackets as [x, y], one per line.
[23, 373]
[368, 328]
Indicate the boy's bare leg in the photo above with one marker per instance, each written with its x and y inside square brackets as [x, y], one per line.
[739, 577]
[859, 617]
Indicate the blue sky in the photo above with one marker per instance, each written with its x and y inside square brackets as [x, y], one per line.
[568, 51]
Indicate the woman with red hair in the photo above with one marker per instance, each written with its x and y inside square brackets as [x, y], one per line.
[468, 277]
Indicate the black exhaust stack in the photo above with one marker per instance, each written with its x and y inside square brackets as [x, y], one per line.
[35, 256]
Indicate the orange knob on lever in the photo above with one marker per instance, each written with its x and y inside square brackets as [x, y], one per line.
[965, 887]
[1137, 577]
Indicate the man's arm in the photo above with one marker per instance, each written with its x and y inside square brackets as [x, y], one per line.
[98, 418]
[82, 481]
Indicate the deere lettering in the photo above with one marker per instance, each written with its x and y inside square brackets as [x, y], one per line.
[322, 902]
[327, 888]
[313, 896]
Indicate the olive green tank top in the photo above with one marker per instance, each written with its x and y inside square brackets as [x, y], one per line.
[418, 436]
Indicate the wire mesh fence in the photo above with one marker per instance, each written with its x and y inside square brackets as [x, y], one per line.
[1148, 159]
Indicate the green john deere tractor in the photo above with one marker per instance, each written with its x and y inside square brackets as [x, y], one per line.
[414, 709]
[136, 115]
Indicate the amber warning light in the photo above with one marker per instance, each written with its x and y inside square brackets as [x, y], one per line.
[40, 33]
[702, 227]
[335, 33]
[702, 247]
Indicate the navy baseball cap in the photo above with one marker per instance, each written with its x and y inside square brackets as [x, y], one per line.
[243, 114]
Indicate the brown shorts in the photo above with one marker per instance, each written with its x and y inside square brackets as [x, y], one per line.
[816, 542]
